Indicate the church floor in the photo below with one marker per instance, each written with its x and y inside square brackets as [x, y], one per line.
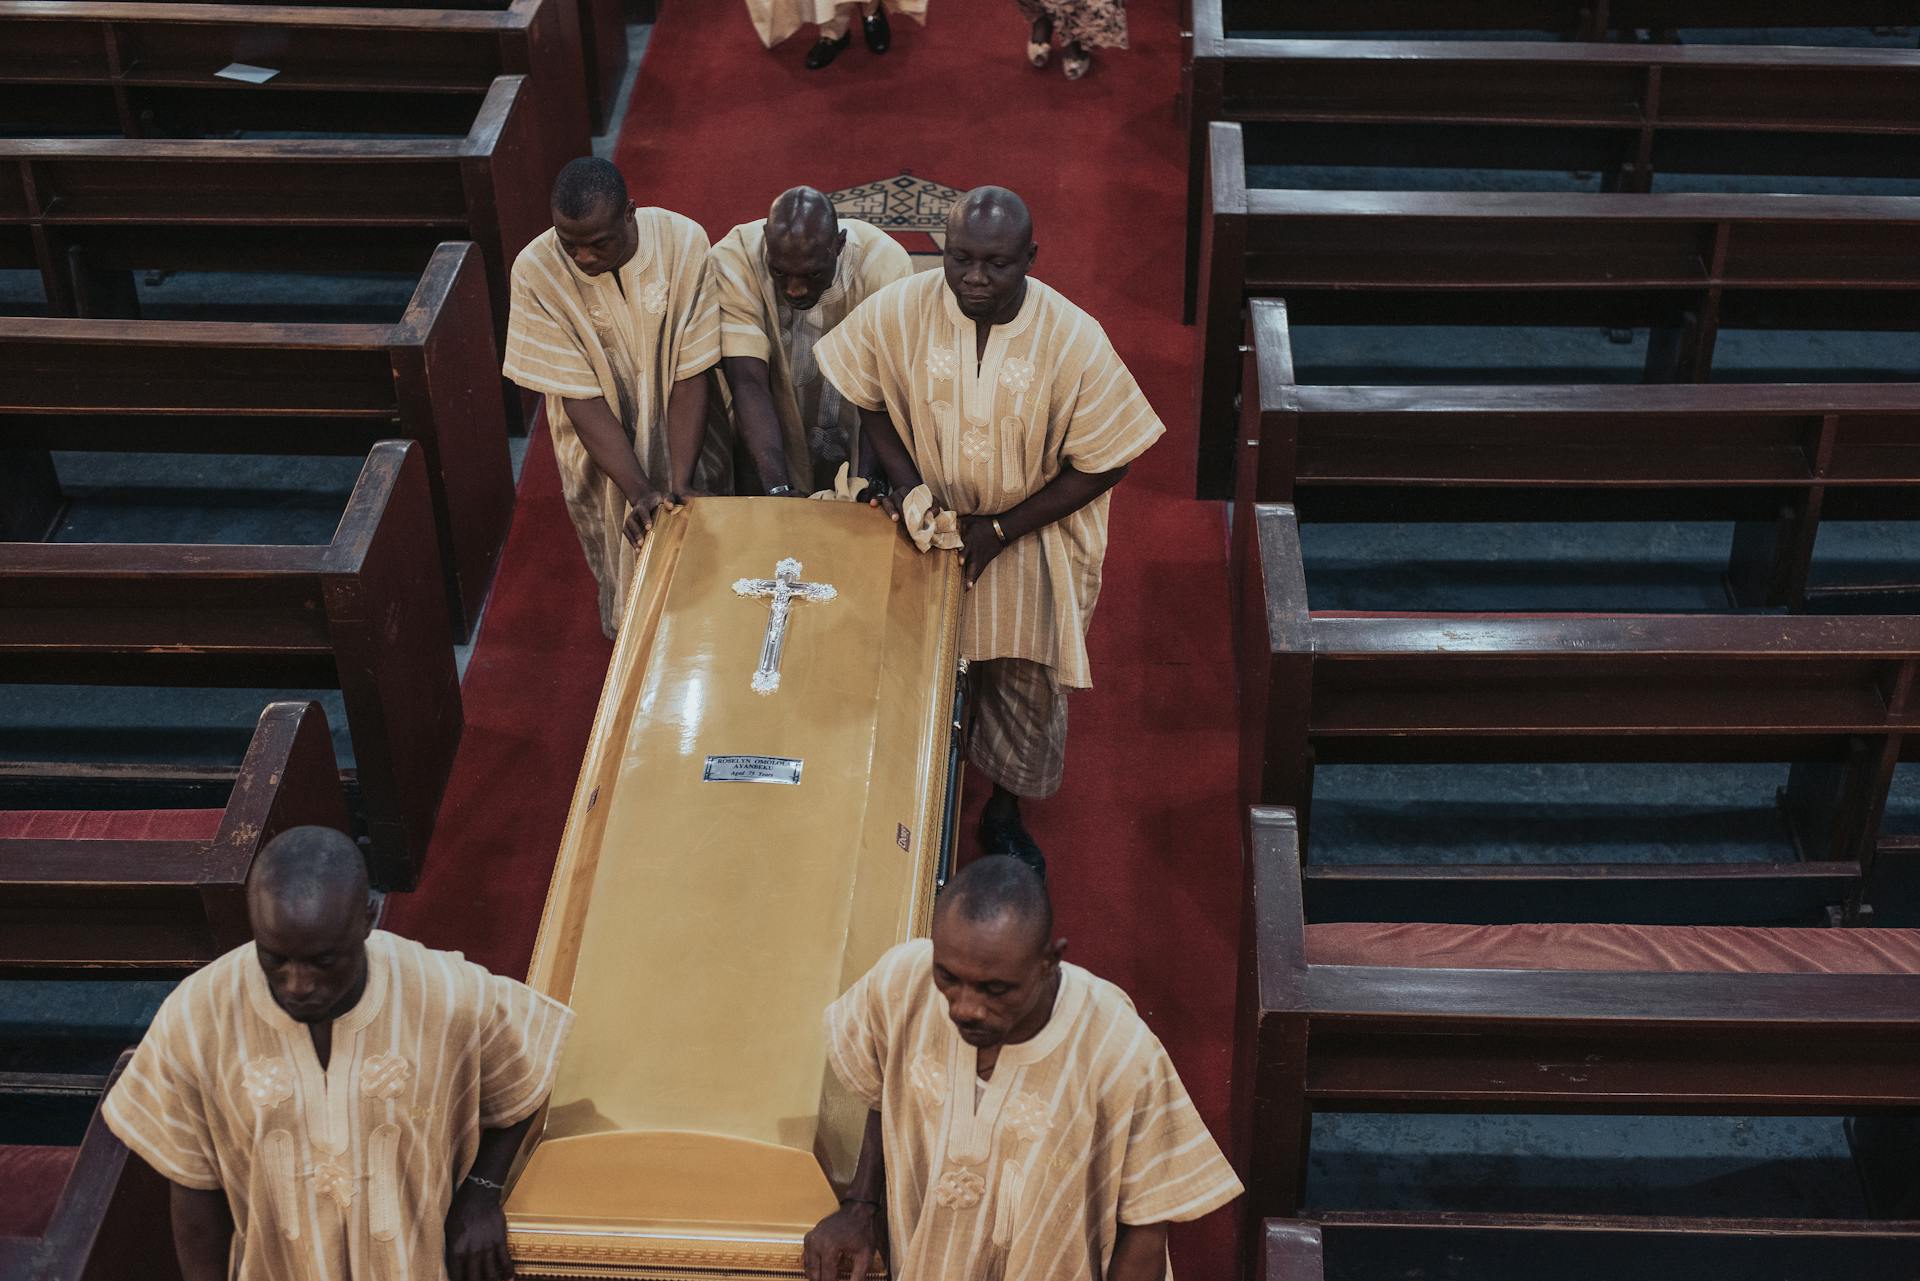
[1143, 838]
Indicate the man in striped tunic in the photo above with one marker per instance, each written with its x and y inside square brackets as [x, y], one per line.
[783, 283]
[613, 322]
[330, 1101]
[1010, 406]
[1026, 1125]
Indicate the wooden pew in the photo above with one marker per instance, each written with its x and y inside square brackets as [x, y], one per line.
[597, 28]
[1685, 266]
[72, 207]
[141, 70]
[1353, 1245]
[101, 1212]
[363, 614]
[1627, 112]
[1837, 698]
[1572, 19]
[1776, 459]
[194, 386]
[120, 908]
[1316, 1037]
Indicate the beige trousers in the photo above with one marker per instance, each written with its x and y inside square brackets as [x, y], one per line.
[843, 18]
[1019, 725]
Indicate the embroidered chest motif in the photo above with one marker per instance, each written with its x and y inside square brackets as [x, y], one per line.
[1027, 1115]
[960, 1189]
[942, 363]
[929, 1080]
[602, 318]
[332, 1179]
[976, 443]
[1016, 375]
[653, 299]
[385, 1076]
[267, 1081]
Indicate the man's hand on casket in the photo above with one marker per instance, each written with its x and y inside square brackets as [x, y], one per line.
[642, 510]
[477, 1236]
[982, 542]
[845, 1243]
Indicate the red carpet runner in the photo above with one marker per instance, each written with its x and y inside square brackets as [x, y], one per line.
[1142, 839]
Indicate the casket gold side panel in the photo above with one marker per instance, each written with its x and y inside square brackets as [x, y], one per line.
[699, 928]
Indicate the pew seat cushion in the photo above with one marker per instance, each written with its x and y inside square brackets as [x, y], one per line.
[1678, 949]
[109, 825]
[32, 1177]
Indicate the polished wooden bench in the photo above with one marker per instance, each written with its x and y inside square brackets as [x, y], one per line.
[76, 207]
[1835, 697]
[91, 1212]
[1627, 112]
[1683, 266]
[211, 387]
[595, 29]
[141, 70]
[1759, 1033]
[365, 614]
[1337, 1245]
[1776, 459]
[116, 902]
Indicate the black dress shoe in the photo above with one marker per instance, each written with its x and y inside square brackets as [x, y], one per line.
[1010, 837]
[879, 34]
[825, 51]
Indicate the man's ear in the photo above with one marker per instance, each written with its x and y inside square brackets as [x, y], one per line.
[840, 241]
[632, 206]
[373, 910]
[1033, 251]
[1056, 951]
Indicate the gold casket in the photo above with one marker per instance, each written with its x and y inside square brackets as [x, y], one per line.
[764, 809]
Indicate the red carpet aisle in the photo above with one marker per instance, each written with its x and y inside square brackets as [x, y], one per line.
[529, 696]
[1142, 838]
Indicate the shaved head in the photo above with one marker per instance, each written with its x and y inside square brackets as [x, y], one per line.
[989, 211]
[311, 912]
[804, 241]
[996, 886]
[994, 955]
[988, 253]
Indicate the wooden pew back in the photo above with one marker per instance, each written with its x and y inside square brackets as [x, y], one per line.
[1778, 458]
[1340, 1038]
[126, 908]
[1834, 697]
[111, 1222]
[363, 614]
[147, 69]
[432, 377]
[1685, 266]
[297, 205]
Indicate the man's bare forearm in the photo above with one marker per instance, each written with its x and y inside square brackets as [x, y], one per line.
[877, 429]
[752, 384]
[606, 443]
[497, 1148]
[1058, 499]
[686, 424]
[869, 1182]
[202, 1232]
[1139, 1253]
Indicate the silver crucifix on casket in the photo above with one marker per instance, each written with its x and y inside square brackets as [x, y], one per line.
[782, 589]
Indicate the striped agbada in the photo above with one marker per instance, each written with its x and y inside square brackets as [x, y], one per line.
[1027, 1176]
[985, 435]
[624, 337]
[346, 1172]
[821, 430]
